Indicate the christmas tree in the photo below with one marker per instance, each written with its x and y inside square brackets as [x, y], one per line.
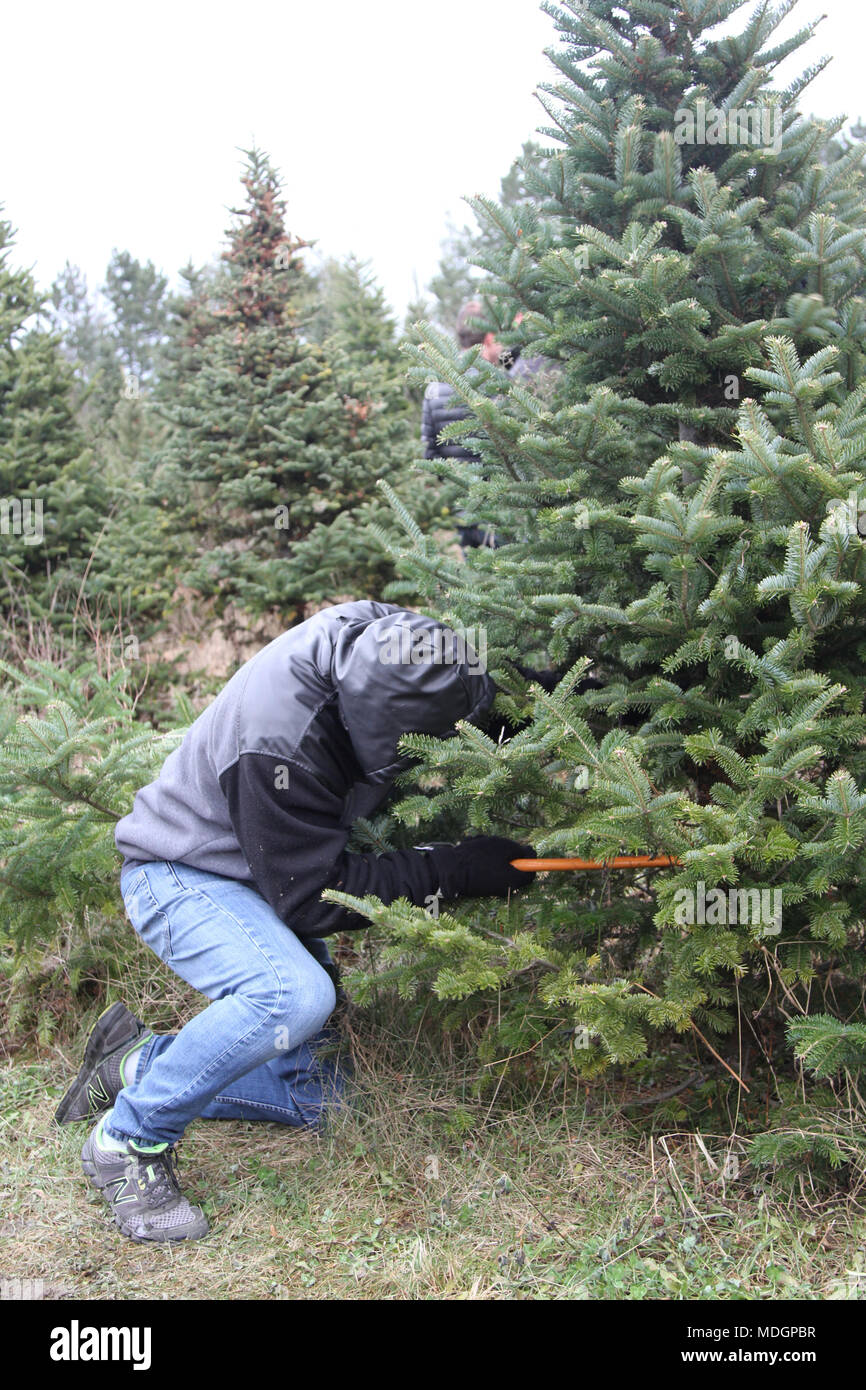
[112, 344]
[113, 350]
[277, 439]
[73, 752]
[683, 523]
[54, 502]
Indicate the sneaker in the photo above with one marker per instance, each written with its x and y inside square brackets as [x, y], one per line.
[94, 1090]
[142, 1190]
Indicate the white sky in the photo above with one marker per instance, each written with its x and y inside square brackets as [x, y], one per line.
[381, 115]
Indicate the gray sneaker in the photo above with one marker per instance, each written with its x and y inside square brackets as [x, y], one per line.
[114, 1035]
[142, 1190]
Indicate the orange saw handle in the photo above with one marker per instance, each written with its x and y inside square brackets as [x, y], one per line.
[622, 861]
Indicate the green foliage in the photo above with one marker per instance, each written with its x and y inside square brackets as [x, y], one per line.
[72, 756]
[281, 422]
[821, 1138]
[113, 345]
[54, 502]
[828, 1046]
[674, 520]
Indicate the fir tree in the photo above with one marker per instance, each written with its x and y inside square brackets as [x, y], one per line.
[87, 344]
[73, 751]
[465, 248]
[683, 522]
[272, 440]
[54, 502]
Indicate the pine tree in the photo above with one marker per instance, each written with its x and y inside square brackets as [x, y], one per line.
[465, 249]
[87, 344]
[73, 751]
[683, 523]
[358, 336]
[275, 447]
[54, 502]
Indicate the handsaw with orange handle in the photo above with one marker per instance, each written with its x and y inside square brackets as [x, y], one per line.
[620, 861]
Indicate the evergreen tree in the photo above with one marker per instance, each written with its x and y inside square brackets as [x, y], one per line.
[358, 336]
[271, 440]
[456, 279]
[464, 248]
[137, 295]
[87, 344]
[54, 502]
[73, 751]
[681, 524]
[113, 353]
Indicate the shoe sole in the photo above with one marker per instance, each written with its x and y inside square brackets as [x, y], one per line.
[114, 1027]
[93, 1178]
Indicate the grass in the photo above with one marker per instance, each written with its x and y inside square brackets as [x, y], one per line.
[422, 1190]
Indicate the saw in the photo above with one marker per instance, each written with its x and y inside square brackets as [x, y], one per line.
[621, 861]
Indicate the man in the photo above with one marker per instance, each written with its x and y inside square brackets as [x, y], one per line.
[226, 855]
[442, 407]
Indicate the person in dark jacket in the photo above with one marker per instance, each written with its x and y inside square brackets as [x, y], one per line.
[441, 406]
[225, 857]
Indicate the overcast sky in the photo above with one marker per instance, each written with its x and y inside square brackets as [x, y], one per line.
[381, 115]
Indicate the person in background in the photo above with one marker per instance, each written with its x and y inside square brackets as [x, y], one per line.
[442, 406]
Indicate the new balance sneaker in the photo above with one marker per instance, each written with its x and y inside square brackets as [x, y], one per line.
[116, 1033]
[141, 1187]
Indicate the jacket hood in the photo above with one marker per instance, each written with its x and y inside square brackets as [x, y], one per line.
[404, 673]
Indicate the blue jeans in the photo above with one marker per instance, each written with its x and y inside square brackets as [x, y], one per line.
[253, 1053]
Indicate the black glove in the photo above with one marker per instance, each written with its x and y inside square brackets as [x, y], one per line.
[548, 680]
[480, 867]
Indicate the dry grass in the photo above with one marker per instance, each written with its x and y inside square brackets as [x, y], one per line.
[421, 1190]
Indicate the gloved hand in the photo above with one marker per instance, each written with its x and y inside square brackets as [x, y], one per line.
[548, 680]
[479, 867]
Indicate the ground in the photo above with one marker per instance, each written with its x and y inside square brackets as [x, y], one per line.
[422, 1190]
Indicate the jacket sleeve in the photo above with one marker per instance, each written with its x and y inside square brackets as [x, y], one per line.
[428, 426]
[288, 826]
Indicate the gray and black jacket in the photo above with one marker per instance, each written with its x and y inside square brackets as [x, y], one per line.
[442, 406]
[299, 743]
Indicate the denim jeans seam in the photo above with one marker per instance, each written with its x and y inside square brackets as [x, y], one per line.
[170, 869]
[157, 911]
[220, 908]
[297, 983]
[133, 883]
[253, 1104]
[144, 1059]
